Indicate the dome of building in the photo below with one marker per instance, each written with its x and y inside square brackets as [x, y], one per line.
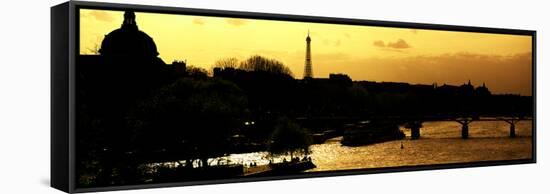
[128, 40]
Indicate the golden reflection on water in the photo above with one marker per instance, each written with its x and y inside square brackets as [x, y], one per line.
[440, 143]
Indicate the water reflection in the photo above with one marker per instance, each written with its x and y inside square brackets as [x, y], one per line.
[440, 143]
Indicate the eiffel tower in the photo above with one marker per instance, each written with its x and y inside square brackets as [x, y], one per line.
[308, 70]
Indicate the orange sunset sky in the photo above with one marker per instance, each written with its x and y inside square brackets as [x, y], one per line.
[503, 62]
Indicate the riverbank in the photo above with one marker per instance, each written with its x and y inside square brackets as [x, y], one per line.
[275, 169]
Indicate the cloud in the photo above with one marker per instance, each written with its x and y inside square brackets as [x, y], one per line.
[102, 16]
[502, 73]
[199, 21]
[399, 44]
[379, 43]
[347, 35]
[235, 22]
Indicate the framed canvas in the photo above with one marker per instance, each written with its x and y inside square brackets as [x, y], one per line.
[149, 96]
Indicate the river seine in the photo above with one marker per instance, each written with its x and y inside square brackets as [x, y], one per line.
[440, 143]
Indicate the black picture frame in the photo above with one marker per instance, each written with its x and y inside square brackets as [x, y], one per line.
[64, 50]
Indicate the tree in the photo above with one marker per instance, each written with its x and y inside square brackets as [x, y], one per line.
[261, 64]
[289, 138]
[190, 119]
[196, 72]
[230, 62]
[94, 50]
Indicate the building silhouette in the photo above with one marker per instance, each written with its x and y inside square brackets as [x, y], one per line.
[128, 41]
[308, 70]
[126, 69]
[128, 53]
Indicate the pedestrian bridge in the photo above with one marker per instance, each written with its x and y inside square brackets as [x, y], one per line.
[416, 125]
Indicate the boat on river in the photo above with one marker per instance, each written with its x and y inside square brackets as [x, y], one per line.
[369, 132]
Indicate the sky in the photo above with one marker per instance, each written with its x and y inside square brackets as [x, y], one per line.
[382, 54]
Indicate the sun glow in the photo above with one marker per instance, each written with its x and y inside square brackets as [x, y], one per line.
[503, 62]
